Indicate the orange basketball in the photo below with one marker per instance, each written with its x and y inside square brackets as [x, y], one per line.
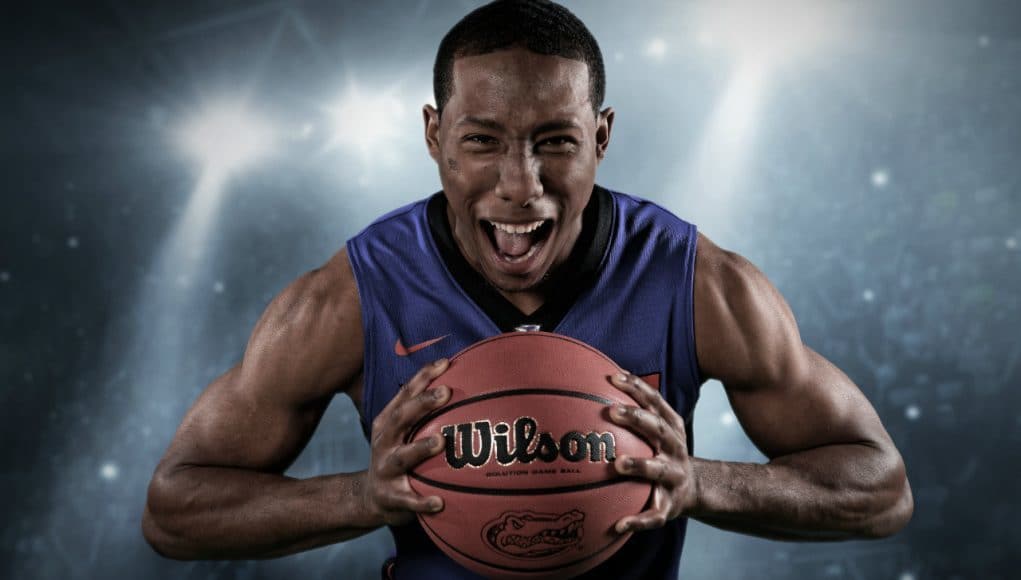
[527, 473]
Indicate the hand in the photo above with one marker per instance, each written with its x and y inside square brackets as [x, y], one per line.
[387, 492]
[674, 491]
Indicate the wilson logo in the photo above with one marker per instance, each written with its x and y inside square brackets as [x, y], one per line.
[476, 444]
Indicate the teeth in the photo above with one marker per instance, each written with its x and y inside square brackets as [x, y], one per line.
[518, 229]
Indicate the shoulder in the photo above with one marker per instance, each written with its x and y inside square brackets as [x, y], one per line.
[744, 328]
[327, 290]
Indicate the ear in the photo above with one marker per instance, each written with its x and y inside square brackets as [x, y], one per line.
[604, 125]
[431, 117]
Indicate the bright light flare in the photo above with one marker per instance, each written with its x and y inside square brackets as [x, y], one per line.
[767, 31]
[366, 123]
[656, 49]
[226, 137]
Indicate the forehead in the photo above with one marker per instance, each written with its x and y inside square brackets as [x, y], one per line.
[519, 85]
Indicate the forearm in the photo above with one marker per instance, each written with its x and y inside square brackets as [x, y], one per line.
[835, 492]
[225, 513]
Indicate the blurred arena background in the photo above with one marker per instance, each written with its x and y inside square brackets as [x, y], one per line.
[170, 166]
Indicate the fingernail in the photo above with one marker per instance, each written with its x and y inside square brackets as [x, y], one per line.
[622, 528]
[436, 505]
[618, 410]
[440, 362]
[621, 377]
[440, 392]
[629, 463]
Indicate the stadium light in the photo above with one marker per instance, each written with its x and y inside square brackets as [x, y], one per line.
[226, 137]
[366, 123]
[767, 31]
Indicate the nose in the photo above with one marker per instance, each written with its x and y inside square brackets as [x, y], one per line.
[519, 181]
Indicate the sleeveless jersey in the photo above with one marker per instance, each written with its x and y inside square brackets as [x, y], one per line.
[638, 310]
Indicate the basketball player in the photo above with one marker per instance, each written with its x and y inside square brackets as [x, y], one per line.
[522, 237]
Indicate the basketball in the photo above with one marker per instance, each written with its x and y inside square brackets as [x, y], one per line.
[527, 473]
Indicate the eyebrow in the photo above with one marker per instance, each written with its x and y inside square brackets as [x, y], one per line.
[487, 123]
[555, 125]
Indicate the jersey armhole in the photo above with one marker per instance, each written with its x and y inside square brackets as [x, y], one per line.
[688, 283]
[369, 369]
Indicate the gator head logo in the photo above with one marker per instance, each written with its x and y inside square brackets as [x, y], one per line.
[526, 534]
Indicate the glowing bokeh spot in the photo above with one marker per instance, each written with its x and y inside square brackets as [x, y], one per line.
[880, 178]
[912, 412]
[727, 419]
[109, 471]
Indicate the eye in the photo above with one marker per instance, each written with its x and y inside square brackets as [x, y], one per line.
[558, 144]
[479, 140]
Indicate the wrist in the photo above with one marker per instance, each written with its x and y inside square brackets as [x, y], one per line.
[702, 477]
[369, 513]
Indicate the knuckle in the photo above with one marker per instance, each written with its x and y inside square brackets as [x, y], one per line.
[397, 461]
[426, 443]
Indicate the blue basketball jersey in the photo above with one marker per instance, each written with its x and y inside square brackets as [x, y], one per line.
[419, 305]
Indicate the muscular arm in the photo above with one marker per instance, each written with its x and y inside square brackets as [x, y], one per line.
[220, 492]
[833, 471]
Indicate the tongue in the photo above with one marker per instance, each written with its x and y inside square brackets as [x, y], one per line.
[512, 245]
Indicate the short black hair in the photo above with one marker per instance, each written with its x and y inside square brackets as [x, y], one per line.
[540, 26]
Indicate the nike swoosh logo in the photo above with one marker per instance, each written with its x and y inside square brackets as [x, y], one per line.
[401, 350]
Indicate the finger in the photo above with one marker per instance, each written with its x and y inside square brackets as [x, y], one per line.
[654, 469]
[424, 376]
[650, 425]
[648, 520]
[405, 457]
[413, 502]
[647, 397]
[391, 425]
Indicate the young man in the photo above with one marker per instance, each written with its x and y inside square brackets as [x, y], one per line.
[522, 235]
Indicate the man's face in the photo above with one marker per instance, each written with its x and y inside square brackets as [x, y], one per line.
[517, 148]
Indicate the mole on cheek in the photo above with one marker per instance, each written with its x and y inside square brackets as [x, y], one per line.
[453, 164]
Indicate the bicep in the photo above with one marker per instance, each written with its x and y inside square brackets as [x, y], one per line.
[304, 348]
[787, 397]
[816, 405]
[233, 424]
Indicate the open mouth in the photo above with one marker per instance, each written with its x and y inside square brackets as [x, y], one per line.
[516, 243]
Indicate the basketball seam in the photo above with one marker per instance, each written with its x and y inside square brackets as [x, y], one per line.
[522, 490]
